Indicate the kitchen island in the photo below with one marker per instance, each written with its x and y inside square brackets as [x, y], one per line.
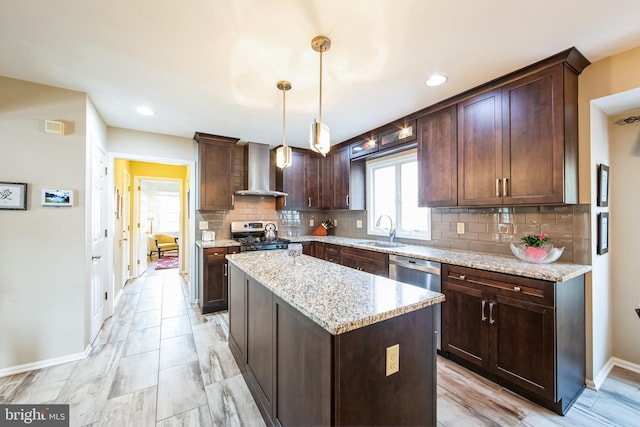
[322, 344]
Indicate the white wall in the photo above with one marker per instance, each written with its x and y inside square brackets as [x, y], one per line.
[42, 276]
[625, 235]
[148, 146]
[601, 286]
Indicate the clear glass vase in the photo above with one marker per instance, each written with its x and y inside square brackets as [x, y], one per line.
[544, 254]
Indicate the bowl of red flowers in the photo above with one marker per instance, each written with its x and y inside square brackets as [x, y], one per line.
[536, 248]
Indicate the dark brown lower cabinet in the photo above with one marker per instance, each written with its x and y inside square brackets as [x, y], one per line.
[524, 333]
[300, 374]
[364, 260]
[213, 278]
[361, 259]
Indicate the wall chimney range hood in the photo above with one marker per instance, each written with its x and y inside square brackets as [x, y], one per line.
[259, 172]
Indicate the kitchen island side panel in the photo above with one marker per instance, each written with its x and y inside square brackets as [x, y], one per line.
[365, 395]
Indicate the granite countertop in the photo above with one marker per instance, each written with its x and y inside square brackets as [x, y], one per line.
[555, 272]
[221, 243]
[339, 299]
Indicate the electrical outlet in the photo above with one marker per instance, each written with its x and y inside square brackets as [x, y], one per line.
[203, 225]
[335, 222]
[311, 222]
[393, 359]
[461, 228]
[358, 223]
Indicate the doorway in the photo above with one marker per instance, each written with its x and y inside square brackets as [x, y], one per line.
[146, 180]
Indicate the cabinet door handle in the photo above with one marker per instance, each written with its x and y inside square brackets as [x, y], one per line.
[233, 200]
[505, 186]
[347, 198]
[309, 205]
[517, 288]
[484, 318]
[225, 270]
[491, 321]
[497, 187]
[285, 200]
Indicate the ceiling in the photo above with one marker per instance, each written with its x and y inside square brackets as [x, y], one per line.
[212, 65]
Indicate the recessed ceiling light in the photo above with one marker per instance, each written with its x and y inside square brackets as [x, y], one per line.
[436, 80]
[145, 111]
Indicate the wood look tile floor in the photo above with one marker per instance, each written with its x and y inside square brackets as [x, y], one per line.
[158, 362]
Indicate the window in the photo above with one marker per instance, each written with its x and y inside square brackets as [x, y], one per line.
[168, 211]
[392, 190]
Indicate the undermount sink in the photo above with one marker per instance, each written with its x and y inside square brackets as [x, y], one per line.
[385, 244]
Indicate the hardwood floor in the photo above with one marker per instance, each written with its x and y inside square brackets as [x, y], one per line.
[158, 362]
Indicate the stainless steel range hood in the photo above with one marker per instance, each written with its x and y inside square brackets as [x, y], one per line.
[259, 172]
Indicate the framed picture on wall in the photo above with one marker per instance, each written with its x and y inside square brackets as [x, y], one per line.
[603, 185]
[603, 233]
[13, 196]
[57, 198]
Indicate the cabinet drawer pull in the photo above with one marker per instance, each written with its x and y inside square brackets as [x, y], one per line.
[517, 288]
[347, 200]
[497, 187]
[225, 270]
[309, 204]
[233, 200]
[285, 200]
[491, 321]
[505, 186]
[484, 318]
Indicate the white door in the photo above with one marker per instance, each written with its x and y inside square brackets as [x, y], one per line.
[142, 231]
[100, 294]
[125, 233]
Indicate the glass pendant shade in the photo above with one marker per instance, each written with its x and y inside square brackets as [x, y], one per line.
[320, 138]
[283, 157]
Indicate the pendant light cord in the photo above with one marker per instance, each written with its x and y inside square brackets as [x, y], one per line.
[320, 86]
[284, 140]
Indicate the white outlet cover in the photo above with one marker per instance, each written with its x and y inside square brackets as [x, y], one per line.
[203, 225]
[358, 223]
[311, 222]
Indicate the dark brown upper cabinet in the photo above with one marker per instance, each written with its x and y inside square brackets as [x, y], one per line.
[516, 139]
[438, 158]
[301, 182]
[216, 157]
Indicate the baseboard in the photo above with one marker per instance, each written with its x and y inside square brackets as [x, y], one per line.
[633, 367]
[18, 369]
[606, 369]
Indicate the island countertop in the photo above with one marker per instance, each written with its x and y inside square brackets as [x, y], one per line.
[337, 298]
[555, 272]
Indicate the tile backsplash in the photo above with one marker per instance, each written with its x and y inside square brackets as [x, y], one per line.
[489, 230]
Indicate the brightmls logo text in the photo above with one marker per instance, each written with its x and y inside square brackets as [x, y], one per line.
[34, 415]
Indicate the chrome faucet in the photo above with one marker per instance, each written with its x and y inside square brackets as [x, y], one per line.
[392, 230]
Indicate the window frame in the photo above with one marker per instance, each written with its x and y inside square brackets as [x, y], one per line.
[395, 160]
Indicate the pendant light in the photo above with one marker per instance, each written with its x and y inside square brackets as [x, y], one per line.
[320, 138]
[283, 153]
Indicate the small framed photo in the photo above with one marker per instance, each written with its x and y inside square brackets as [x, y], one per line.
[59, 198]
[603, 185]
[603, 233]
[13, 196]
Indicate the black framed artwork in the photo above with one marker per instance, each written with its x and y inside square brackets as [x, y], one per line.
[603, 233]
[13, 196]
[603, 185]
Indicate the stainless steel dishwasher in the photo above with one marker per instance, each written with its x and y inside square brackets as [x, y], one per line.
[422, 273]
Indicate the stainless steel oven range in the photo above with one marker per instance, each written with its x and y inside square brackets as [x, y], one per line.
[257, 235]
